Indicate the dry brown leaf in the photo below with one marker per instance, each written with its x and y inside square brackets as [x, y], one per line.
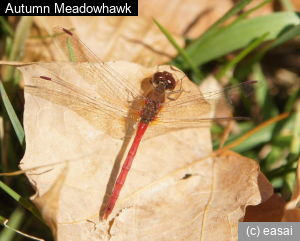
[271, 210]
[292, 208]
[175, 189]
[296, 4]
[291, 215]
[135, 39]
[275, 209]
[48, 204]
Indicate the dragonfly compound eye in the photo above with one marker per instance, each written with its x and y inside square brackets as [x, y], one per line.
[164, 77]
[170, 81]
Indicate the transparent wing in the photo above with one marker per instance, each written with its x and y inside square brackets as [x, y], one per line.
[190, 111]
[195, 106]
[112, 118]
[162, 126]
[105, 81]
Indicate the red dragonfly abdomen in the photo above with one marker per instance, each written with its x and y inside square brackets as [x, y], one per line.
[125, 168]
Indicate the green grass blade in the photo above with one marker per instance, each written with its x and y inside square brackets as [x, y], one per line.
[15, 221]
[245, 127]
[295, 145]
[21, 34]
[281, 171]
[287, 5]
[288, 171]
[292, 160]
[264, 100]
[241, 55]
[287, 35]
[291, 100]
[181, 51]
[262, 136]
[283, 37]
[211, 30]
[241, 35]
[245, 14]
[71, 51]
[26, 204]
[6, 27]
[3, 220]
[214, 31]
[13, 117]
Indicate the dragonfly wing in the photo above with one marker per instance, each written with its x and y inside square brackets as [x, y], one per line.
[160, 127]
[196, 106]
[108, 117]
[105, 81]
[191, 106]
[192, 111]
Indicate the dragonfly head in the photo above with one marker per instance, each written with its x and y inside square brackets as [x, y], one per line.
[163, 81]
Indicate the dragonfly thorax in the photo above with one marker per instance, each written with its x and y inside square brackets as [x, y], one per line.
[150, 110]
[161, 81]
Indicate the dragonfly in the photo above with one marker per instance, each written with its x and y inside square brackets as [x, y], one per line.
[119, 109]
